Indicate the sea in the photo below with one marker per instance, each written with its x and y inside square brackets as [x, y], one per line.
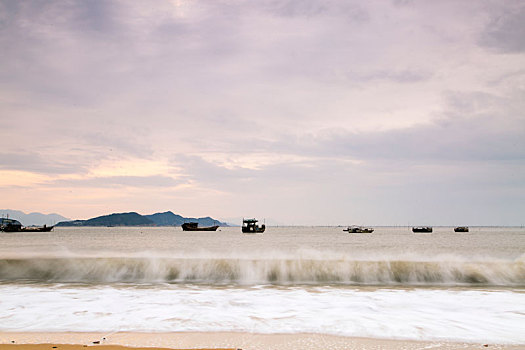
[392, 283]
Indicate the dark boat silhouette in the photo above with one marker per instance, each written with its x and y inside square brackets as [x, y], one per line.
[44, 228]
[461, 229]
[427, 229]
[358, 229]
[250, 226]
[194, 226]
[11, 225]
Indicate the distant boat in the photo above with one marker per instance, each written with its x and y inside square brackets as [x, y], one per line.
[11, 225]
[422, 229]
[44, 228]
[194, 226]
[250, 226]
[358, 229]
[461, 229]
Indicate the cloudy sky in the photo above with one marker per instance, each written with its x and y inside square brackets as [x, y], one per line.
[301, 112]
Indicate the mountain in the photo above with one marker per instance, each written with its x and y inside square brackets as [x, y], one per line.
[32, 219]
[170, 219]
[166, 219]
[135, 219]
[206, 221]
[121, 219]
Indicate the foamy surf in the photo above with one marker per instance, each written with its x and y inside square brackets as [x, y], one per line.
[472, 316]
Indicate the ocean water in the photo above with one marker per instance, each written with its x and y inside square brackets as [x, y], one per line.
[388, 284]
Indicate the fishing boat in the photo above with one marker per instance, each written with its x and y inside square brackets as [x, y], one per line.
[426, 229]
[461, 229]
[250, 226]
[358, 229]
[44, 228]
[194, 226]
[11, 225]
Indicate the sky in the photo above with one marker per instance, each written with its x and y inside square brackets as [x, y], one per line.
[299, 112]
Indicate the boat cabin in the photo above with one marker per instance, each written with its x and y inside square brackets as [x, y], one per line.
[250, 226]
[10, 225]
[190, 225]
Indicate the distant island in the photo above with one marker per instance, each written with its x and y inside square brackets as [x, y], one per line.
[135, 219]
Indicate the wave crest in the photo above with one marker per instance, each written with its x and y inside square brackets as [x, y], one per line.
[262, 271]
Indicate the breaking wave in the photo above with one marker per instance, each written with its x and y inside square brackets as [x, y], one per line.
[262, 271]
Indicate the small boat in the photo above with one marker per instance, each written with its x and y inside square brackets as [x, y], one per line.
[358, 229]
[250, 226]
[44, 228]
[461, 229]
[194, 226]
[427, 229]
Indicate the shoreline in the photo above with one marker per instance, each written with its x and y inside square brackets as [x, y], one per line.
[221, 340]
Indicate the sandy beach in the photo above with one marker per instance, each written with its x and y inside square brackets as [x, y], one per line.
[223, 340]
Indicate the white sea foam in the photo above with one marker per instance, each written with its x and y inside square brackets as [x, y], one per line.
[463, 315]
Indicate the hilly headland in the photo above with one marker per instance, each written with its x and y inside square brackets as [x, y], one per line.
[135, 219]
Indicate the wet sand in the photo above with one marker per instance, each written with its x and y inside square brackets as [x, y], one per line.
[221, 340]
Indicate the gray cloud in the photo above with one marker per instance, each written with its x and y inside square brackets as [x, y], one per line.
[343, 100]
[96, 16]
[310, 8]
[34, 162]
[383, 191]
[75, 153]
[118, 181]
[475, 127]
[403, 2]
[506, 32]
[472, 155]
[404, 76]
[447, 140]
[208, 173]
[118, 139]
